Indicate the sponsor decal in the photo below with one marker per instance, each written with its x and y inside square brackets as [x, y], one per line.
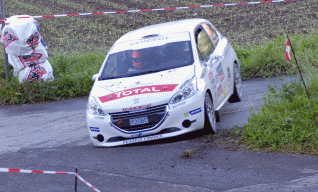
[136, 140]
[220, 72]
[210, 75]
[136, 135]
[179, 104]
[138, 91]
[221, 76]
[137, 107]
[149, 40]
[94, 129]
[219, 90]
[224, 92]
[119, 122]
[219, 69]
[213, 80]
[195, 111]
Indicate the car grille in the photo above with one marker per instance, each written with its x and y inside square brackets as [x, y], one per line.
[155, 115]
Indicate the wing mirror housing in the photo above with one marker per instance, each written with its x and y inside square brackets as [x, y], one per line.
[214, 57]
[95, 76]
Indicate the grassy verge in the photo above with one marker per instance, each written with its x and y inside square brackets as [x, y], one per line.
[288, 120]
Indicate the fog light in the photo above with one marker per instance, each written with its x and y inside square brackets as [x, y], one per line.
[186, 123]
[100, 138]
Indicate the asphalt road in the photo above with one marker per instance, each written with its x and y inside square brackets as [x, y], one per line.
[53, 136]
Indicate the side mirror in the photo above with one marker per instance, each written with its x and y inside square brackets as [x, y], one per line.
[214, 57]
[95, 76]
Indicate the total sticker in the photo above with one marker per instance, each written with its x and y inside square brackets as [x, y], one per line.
[138, 91]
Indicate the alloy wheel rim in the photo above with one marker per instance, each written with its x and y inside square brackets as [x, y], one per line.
[210, 111]
[238, 81]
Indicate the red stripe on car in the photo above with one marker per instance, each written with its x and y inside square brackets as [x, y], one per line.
[138, 91]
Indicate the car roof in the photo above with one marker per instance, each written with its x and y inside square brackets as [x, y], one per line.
[162, 28]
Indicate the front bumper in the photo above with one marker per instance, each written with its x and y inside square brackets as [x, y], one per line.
[183, 117]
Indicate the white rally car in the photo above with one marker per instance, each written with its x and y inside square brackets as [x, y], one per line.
[162, 81]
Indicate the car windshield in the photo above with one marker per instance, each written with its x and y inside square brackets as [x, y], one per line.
[148, 55]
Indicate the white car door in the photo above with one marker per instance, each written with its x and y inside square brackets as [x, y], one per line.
[223, 63]
[214, 75]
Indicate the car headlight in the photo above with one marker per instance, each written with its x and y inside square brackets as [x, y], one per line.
[93, 107]
[187, 90]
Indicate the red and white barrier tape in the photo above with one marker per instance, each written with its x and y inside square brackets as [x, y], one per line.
[10, 170]
[161, 9]
[87, 183]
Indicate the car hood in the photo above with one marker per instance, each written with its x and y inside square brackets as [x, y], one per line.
[132, 93]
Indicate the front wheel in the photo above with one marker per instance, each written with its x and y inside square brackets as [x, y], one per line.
[238, 87]
[210, 118]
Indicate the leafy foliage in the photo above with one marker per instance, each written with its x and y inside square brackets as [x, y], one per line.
[288, 120]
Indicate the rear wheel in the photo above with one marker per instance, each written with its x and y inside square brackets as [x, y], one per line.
[238, 87]
[210, 118]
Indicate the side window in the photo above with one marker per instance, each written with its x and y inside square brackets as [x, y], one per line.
[204, 44]
[214, 36]
[212, 33]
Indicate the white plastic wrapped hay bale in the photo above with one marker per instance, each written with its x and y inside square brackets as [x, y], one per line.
[28, 56]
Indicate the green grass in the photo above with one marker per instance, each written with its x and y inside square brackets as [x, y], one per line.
[288, 121]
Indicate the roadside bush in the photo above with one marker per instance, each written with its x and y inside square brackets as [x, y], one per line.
[288, 120]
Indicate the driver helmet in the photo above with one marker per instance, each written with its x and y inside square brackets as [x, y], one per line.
[136, 59]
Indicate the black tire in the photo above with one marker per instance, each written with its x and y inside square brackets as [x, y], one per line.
[209, 114]
[238, 92]
[217, 116]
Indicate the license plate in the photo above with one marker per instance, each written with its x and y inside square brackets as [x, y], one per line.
[138, 121]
